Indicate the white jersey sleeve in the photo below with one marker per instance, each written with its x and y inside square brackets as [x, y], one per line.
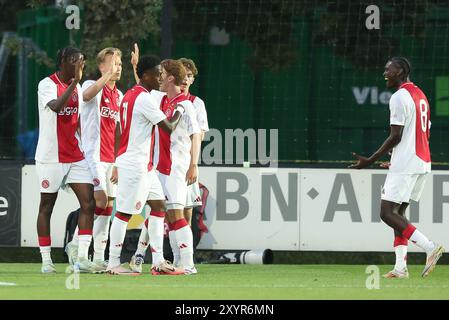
[189, 118]
[398, 112]
[201, 114]
[148, 107]
[46, 92]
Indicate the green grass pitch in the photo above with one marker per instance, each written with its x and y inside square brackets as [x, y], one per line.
[215, 282]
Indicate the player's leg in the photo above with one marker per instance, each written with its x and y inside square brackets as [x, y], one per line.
[188, 215]
[400, 248]
[84, 193]
[132, 192]
[434, 255]
[43, 230]
[402, 188]
[104, 198]
[175, 189]
[50, 176]
[156, 227]
[138, 258]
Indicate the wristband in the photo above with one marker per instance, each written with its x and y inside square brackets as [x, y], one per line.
[180, 109]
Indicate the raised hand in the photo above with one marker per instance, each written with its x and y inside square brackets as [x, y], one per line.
[79, 67]
[135, 56]
[113, 68]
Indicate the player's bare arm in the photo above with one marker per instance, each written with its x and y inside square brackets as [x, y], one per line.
[393, 139]
[135, 61]
[192, 173]
[170, 125]
[58, 104]
[93, 90]
[118, 136]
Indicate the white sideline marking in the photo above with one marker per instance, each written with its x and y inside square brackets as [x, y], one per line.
[7, 284]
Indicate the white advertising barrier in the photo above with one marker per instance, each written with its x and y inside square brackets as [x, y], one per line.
[241, 214]
[65, 203]
[312, 209]
[282, 209]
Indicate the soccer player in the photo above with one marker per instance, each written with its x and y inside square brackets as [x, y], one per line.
[137, 180]
[409, 165]
[98, 134]
[193, 190]
[59, 159]
[178, 159]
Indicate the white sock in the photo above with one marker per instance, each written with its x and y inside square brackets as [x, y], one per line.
[83, 245]
[46, 254]
[184, 239]
[117, 236]
[401, 257]
[144, 239]
[75, 239]
[421, 241]
[100, 234]
[174, 247]
[156, 234]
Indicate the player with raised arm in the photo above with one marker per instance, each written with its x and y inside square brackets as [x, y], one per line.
[409, 165]
[59, 159]
[99, 134]
[137, 180]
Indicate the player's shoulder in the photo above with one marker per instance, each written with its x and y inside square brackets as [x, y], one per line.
[198, 101]
[144, 99]
[157, 95]
[86, 84]
[186, 104]
[47, 81]
[399, 96]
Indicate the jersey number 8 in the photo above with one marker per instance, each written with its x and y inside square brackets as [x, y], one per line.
[423, 108]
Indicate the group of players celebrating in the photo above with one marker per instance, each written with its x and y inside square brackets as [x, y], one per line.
[140, 148]
[146, 144]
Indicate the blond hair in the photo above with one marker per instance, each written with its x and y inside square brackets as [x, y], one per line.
[101, 56]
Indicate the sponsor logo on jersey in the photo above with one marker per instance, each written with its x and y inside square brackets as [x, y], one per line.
[108, 113]
[68, 111]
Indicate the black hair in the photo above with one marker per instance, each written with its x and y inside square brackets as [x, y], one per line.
[65, 53]
[404, 64]
[146, 63]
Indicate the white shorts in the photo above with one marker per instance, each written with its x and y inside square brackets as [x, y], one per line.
[193, 196]
[135, 188]
[53, 176]
[102, 172]
[175, 189]
[401, 188]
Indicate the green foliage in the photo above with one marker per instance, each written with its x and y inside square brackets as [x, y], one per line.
[117, 24]
[269, 27]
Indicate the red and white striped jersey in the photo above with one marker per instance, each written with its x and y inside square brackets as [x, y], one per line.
[174, 148]
[409, 108]
[139, 114]
[200, 109]
[58, 137]
[98, 121]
